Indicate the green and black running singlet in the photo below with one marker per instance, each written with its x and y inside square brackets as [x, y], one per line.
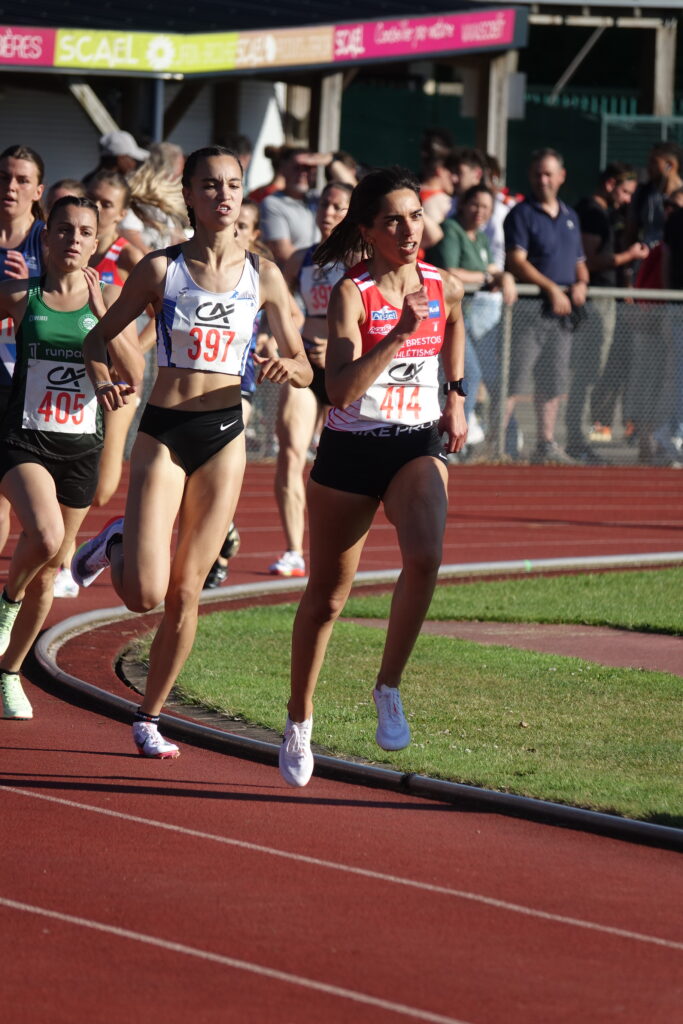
[52, 409]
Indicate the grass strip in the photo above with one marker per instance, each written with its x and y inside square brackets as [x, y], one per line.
[642, 600]
[539, 725]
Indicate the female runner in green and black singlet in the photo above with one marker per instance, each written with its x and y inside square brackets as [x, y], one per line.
[52, 433]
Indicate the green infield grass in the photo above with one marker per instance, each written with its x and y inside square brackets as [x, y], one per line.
[540, 725]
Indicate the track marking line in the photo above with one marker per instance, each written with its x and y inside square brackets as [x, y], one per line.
[239, 965]
[380, 876]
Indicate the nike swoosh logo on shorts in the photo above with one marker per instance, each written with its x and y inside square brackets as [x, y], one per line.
[226, 426]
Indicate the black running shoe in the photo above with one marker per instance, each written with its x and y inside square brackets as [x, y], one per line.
[232, 543]
[218, 575]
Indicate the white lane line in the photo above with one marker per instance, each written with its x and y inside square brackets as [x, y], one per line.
[381, 876]
[239, 965]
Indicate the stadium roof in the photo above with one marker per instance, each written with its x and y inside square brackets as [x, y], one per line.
[212, 15]
[227, 15]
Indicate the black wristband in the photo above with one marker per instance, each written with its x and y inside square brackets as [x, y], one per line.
[459, 386]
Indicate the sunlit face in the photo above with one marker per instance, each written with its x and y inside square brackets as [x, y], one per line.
[477, 211]
[547, 177]
[622, 193]
[19, 186]
[215, 192]
[334, 202]
[109, 200]
[246, 231]
[396, 231]
[297, 173]
[71, 238]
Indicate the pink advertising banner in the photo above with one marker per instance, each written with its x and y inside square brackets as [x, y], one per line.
[413, 36]
[26, 46]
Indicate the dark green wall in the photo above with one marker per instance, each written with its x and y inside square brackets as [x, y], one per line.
[382, 124]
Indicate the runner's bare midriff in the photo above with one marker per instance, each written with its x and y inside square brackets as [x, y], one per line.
[194, 390]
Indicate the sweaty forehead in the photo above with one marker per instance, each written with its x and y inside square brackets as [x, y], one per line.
[81, 216]
[22, 168]
[401, 201]
[222, 168]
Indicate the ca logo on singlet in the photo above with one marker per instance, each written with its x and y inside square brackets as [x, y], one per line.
[66, 378]
[214, 313]
[405, 372]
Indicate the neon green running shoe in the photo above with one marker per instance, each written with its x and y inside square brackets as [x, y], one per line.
[8, 613]
[15, 703]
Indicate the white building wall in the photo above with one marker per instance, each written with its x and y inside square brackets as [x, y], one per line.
[55, 125]
[260, 119]
[194, 129]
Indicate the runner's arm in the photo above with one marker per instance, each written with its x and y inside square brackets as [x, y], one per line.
[349, 371]
[292, 367]
[142, 288]
[453, 421]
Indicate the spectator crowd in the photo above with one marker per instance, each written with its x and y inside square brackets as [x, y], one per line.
[614, 369]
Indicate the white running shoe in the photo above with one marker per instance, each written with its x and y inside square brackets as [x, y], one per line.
[151, 743]
[8, 613]
[475, 431]
[65, 584]
[296, 759]
[91, 557]
[393, 731]
[290, 564]
[15, 703]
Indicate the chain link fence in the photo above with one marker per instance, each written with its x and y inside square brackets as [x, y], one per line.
[624, 403]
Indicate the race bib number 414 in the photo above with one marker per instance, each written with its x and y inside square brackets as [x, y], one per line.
[59, 398]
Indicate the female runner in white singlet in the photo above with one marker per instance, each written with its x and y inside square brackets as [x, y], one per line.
[189, 455]
[391, 318]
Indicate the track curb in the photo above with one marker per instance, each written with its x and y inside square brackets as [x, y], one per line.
[49, 643]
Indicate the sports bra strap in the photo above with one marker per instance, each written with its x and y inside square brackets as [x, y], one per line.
[173, 252]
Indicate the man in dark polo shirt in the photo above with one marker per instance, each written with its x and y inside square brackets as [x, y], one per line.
[543, 247]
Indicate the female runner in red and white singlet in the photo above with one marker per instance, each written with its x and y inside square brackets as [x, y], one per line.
[390, 319]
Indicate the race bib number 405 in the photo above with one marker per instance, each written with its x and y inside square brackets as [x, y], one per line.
[59, 398]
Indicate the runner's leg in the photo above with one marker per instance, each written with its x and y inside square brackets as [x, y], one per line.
[338, 526]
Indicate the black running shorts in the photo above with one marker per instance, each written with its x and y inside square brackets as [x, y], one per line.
[75, 479]
[367, 463]
[193, 437]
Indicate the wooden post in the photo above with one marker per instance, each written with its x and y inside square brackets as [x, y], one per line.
[665, 69]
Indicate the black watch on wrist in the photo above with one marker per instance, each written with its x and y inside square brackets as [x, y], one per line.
[459, 386]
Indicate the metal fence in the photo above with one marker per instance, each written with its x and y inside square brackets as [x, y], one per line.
[625, 395]
[630, 137]
[624, 402]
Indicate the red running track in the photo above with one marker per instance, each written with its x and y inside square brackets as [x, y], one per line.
[204, 889]
[497, 513]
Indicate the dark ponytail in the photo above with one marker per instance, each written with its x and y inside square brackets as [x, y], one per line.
[346, 240]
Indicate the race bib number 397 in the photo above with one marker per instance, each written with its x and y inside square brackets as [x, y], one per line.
[59, 398]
